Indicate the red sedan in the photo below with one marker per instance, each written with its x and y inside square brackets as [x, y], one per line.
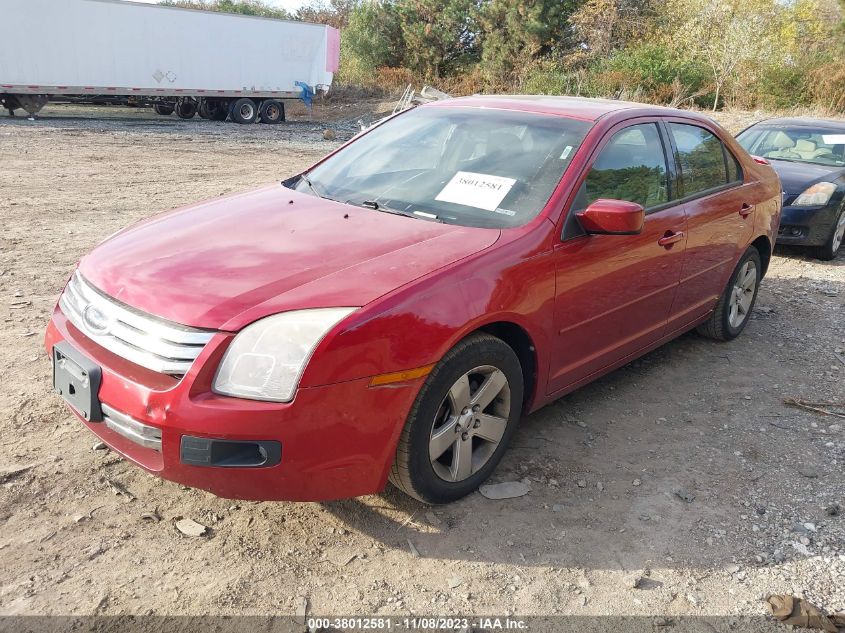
[390, 313]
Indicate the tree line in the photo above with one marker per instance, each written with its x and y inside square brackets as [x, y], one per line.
[712, 53]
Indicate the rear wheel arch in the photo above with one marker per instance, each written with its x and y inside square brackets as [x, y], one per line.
[734, 306]
[764, 247]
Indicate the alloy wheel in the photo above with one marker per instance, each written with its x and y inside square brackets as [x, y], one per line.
[839, 235]
[742, 294]
[470, 423]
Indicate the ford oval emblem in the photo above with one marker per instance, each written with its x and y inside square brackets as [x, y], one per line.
[95, 321]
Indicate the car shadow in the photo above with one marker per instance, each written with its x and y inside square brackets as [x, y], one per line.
[805, 253]
[685, 457]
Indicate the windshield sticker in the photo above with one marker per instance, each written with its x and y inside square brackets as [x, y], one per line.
[476, 190]
[505, 212]
[833, 139]
[566, 152]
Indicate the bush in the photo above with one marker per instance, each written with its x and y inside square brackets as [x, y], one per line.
[471, 81]
[658, 75]
[552, 79]
[827, 86]
[782, 87]
[644, 73]
[395, 79]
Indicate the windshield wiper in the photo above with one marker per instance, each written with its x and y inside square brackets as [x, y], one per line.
[375, 206]
[311, 186]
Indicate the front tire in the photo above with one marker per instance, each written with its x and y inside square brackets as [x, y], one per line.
[829, 249]
[733, 310]
[461, 422]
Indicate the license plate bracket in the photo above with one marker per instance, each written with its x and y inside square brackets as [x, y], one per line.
[77, 380]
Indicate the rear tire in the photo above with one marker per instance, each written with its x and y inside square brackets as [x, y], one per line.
[244, 111]
[218, 110]
[733, 310]
[186, 108]
[830, 248]
[164, 109]
[202, 110]
[461, 422]
[272, 112]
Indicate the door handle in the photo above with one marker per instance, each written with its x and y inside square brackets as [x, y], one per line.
[745, 210]
[670, 238]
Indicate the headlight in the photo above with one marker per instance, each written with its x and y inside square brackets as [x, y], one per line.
[816, 195]
[267, 358]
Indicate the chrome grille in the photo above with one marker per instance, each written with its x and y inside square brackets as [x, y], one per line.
[154, 343]
[131, 429]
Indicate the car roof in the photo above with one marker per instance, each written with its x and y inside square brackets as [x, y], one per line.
[805, 122]
[570, 107]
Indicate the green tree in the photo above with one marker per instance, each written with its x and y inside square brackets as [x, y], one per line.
[244, 7]
[332, 12]
[603, 26]
[435, 34]
[512, 33]
[726, 34]
[372, 39]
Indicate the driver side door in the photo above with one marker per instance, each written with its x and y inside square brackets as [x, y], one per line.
[614, 293]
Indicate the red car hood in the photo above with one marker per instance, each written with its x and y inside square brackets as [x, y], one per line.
[224, 263]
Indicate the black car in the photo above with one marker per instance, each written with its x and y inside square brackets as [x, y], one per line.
[809, 157]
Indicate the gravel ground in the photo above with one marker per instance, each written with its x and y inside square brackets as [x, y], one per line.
[604, 530]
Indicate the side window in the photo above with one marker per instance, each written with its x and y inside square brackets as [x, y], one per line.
[632, 166]
[701, 157]
[734, 170]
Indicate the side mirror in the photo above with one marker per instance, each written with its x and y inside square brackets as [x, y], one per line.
[613, 217]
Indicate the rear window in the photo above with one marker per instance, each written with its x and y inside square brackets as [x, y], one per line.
[734, 170]
[701, 157]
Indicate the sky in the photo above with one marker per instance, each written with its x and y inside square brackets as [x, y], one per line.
[290, 5]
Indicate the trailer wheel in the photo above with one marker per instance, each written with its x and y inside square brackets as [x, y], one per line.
[218, 109]
[272, 112]
[164, 109]
[244, 111]
[11, 103]
[186, 108]
[202, 110]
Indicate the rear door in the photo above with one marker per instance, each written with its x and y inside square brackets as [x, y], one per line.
[719, 207]
[614, 293]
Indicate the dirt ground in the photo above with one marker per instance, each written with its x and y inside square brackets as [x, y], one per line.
[604, 463]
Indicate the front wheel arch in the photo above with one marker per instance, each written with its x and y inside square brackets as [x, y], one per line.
[413, 468]
[520, 341]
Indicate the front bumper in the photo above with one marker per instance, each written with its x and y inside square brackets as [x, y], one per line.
[807, 226]
[337, 441]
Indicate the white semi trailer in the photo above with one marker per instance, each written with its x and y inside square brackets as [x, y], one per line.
[177, 60]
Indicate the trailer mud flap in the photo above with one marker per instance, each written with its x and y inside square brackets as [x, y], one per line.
[307, 95]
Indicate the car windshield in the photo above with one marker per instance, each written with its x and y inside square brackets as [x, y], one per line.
[800, 144]
[467, 166]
